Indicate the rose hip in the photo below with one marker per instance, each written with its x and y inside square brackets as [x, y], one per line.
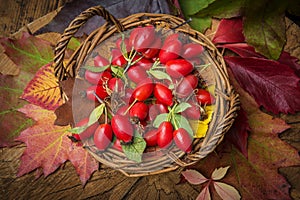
[151, 137]
[122, 128]
[179, 68]
[137, 74]
[163, 94]
[204, 97]
[183, 140]
[103, 136]
[165, 134]
[88, 132]
[187, 86]
[139, 110]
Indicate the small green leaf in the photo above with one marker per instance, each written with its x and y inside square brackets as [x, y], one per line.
[182, 107]
[160, 75]
[159, 119]
[96, 69]
[134, 150]
[117, 70]
[180, 121]
[95, 114]
[78, 130]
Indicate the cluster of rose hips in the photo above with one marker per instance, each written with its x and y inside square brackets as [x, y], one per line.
[147, 75]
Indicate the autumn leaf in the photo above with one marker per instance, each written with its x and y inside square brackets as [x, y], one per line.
[194, 177]
[224, 190]
[256, 177]
[238, 133]
[43, 90]
[229, 31]
[273, 85]
[28, 52]
[48, 146]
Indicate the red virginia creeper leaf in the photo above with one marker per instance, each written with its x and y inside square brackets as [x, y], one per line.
[204, 194]
[48, 146]
[229, 31]
[194, 177]
[43, 90]
[245, 50]
[256, 177]
[242, 49]
[286, 58]
[238, 133]
[273, 85]
[28, 52]
[226, 191]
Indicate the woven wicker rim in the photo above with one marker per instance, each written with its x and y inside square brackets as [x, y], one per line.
[227, 101]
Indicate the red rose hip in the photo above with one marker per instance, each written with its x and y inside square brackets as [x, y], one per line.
[122, 128]
[183, 140]
[103, 136]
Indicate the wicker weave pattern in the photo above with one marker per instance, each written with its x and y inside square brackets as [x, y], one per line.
[227, 101]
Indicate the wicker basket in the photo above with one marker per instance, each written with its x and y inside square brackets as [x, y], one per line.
[226, 104]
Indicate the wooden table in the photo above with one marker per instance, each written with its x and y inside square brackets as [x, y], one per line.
[106, 183]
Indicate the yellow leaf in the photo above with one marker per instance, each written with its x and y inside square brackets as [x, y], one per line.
[43, 90]
[200, 127]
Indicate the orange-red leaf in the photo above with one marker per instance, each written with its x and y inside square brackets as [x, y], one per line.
[48, 146]
[43, 90]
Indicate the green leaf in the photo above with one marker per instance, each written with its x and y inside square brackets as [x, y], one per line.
[182, 107]
[223, 9]
[96, 69]
[264, 27]
[180, 121]
[78, 130]
[159, 119]
[134, 150]
[160, 75]
[200, 23]
[191, 7]
[118, 71]
[95, 114]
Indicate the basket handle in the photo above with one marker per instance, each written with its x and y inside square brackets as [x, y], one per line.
[59, 69]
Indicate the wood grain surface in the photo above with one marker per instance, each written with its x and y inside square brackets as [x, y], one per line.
[106, 183]
[14, 14]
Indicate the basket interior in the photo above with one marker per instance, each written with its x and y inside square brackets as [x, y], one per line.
[157, 160]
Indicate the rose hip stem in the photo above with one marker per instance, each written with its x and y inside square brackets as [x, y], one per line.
[105, 109]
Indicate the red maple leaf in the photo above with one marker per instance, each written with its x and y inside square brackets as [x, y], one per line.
[48, 146]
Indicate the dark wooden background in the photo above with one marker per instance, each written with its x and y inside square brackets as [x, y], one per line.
[106, 183]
